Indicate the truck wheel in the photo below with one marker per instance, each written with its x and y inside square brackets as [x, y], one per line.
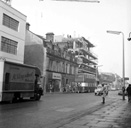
[37, 96]
[11, 101]
[14, 99]
[21, 99]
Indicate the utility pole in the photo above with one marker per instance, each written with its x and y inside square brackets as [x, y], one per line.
[123, 60]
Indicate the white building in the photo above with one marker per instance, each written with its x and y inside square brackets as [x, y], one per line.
[12, 33]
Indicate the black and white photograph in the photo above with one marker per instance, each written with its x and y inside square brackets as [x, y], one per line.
[65, 63]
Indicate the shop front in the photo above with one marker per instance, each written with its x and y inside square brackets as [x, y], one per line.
[56, 82]
[53, 83]
[70, 83]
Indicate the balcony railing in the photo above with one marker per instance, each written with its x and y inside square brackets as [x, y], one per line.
[86, 68]
[89, 53]
[61, 55]
[86, 60]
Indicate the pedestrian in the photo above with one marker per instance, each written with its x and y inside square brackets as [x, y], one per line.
[50, 87]
[129, 92]
[103, 93]
[64, 89]
[123, 89]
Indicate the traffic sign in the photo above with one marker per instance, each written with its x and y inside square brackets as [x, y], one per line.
[126, 78]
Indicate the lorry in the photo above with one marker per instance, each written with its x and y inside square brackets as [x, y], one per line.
[18, 81]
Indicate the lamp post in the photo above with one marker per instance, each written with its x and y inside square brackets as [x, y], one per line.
[129, 38]
[123, 67]
[92, 1]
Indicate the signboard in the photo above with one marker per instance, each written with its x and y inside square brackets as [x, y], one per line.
[56, 76]
[21, 74]
[126, 78]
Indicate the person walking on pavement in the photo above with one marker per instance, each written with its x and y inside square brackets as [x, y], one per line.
[103, 93]
[50, 87]
[129, 92]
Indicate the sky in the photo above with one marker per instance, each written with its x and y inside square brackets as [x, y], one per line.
[90, 20]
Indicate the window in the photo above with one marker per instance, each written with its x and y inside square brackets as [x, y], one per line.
[10, 22]
[8, 45]
[7, 81]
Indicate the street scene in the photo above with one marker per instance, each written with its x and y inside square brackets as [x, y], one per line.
[72, 110]
[65, 64]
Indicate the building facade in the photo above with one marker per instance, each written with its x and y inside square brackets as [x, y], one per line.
[58, 67]
[12, 33]
[61, 66]
[86, 59]
[106, 77]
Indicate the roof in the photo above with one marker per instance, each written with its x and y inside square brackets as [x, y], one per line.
[79, 39]
[88, 42]
[50, 33]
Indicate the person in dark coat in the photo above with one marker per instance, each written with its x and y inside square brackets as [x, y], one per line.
[104, 91]
[129, 92]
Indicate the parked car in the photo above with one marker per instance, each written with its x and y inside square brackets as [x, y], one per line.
[98, 90]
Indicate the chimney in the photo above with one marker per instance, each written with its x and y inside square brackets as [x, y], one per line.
[27, 26]
[8, 2]
[50, 36]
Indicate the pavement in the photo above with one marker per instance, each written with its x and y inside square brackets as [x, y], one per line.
[116, 114]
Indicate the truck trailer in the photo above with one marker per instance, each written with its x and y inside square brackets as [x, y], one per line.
[18, 81]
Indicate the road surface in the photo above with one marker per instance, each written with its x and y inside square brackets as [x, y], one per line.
[52, 111]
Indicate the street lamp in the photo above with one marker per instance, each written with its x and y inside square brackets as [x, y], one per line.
[92, 1]
[129, 38]
[118, 33]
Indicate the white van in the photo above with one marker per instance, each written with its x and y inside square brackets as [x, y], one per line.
[98, 90]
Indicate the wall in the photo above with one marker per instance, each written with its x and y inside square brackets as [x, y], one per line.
[34, 51]
[18, 36]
